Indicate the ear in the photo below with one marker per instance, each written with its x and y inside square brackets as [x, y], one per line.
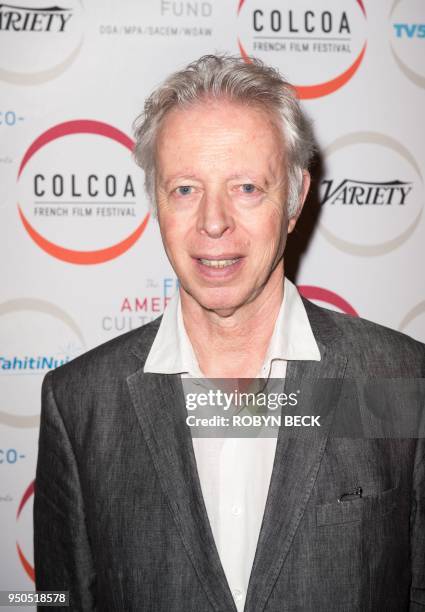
[302, 198]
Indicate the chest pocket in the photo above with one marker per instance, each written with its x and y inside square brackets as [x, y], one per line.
[365, 508]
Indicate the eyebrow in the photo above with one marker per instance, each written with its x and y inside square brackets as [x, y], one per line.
[179, 176]
[232, 177]
[254, 177]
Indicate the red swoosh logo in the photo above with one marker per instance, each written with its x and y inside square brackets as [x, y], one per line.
[324, 295]
[25, 563]
[80, 126]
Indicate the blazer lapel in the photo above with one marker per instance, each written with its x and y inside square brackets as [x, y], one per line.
[297, 461]
[160, 406]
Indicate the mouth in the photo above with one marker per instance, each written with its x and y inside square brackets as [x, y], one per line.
[223, 266]
[218, 263]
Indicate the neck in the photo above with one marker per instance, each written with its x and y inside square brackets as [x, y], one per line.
[234, 346]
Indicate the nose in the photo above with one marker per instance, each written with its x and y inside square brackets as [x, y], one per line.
[215, 216]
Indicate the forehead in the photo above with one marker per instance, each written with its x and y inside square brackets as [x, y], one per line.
[224, 127]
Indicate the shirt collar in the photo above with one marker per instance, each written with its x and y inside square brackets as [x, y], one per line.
[292, 338]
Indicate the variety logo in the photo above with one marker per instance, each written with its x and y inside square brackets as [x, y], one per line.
[329, 298]
[135, 311]
[29, 19]
[407, 34]
[362, 193]
[48, 337]
[93, 203]
[377, 207]
[38, 43]
[24, 515]
[319, 46]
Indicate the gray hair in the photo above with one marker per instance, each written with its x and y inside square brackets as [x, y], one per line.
[228, 77]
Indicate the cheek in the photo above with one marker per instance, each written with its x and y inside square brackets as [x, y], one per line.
[174, 238]
[169, 233]
[267, 244]
[267, 232]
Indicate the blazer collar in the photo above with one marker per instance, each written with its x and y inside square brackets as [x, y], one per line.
[160, 407]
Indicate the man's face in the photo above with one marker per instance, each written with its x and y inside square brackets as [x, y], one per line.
[221, 192]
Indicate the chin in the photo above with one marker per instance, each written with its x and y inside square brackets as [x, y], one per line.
[218, 300]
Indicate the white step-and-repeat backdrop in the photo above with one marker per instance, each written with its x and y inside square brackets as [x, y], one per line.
[81, 258]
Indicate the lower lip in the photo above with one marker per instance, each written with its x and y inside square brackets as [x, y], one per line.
[215, 273]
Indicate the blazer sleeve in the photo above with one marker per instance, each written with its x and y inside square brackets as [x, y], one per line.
[62, 555]
[417, 592]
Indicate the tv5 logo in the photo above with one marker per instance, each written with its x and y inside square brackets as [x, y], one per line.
[409, 30]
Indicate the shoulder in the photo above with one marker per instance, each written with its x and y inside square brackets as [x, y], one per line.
[383, 351]
[116, 358]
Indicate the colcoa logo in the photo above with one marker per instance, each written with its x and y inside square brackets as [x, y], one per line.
[30, 19]
[93, 201]
[308, 40]
[309, 22]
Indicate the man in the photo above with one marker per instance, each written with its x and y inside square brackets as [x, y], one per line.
[131, 511]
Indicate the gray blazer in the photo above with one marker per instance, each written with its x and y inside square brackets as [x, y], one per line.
[119, 517]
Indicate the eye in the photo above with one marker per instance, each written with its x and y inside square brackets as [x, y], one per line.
[184, 190]
[248, 188]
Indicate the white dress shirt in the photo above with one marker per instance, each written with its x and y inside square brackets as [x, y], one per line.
[235, 472]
